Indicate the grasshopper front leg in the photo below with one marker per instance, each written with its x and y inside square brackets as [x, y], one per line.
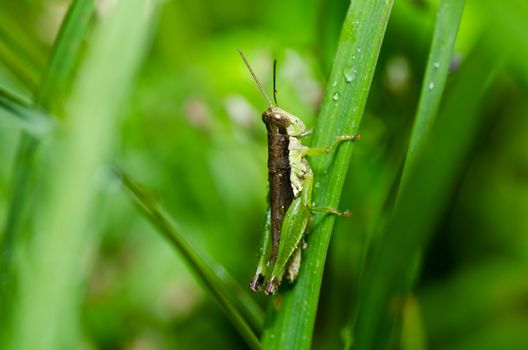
[325, 150]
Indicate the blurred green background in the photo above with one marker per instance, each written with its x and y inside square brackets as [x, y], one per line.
[188, 128]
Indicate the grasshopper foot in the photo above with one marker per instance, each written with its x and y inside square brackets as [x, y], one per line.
[332, 211]
[271, 286]
[256, 282]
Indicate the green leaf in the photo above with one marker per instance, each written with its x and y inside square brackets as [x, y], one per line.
[49, 270]
[422, 199]
[446, 27]
[65, 52]
[235, 301]
[17, 114]
[433, 85]
[291, 319]
[18, 51]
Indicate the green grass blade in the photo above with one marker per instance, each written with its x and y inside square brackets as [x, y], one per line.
[17, 114]
[440, 54]
[446, 27]
[291, 326]
[65, 53]
[50, 271]
[422, 200]
[16, 52]
[235, 301]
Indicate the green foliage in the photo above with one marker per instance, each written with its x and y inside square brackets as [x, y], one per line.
[222, 287]
[433, 256]
[341, 112]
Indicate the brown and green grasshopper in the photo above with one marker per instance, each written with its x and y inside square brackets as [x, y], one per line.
[290, 194]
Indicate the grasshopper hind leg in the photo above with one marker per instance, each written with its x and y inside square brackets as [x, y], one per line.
[292, 233]
[256, 282]
[294, 265]
[290, 272]
[265, 255]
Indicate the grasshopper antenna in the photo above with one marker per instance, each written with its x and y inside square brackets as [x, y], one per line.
[274, 82]
[256, 80]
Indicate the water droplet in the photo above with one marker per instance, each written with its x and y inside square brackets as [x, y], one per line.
[431, 86]
[358, 50]
[334, 84]
[350, 75]
[335, 97]
[436, 65]
[353, 57]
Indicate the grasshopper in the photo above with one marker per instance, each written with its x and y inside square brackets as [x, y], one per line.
[290, 194]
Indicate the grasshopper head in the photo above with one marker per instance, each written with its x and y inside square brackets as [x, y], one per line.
[276, 116]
